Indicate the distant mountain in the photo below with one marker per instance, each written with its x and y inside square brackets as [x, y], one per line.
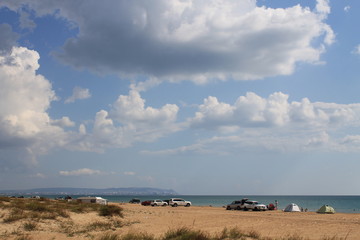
[91, 191]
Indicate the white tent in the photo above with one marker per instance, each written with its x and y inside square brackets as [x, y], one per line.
[292, 208]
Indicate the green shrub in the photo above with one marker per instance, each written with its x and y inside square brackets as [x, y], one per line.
[110, 210]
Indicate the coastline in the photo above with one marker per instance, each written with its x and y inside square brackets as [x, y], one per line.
[341, 203]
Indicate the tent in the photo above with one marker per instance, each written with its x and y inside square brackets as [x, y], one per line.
[326, 209]
[292, 208]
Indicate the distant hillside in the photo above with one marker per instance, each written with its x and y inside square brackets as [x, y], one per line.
[91, 191]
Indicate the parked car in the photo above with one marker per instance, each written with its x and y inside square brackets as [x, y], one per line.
[146, 202]
[174, 202]
[158, 202]
[254, 205]
[237, 204]
[134, 200]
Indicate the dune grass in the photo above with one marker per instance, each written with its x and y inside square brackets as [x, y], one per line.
[110, 210]
[185, 233]
[29, 208]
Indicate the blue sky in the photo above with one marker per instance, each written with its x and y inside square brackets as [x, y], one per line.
[203, 97]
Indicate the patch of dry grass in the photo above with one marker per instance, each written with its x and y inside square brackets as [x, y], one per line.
[50, 209]
[191, 234]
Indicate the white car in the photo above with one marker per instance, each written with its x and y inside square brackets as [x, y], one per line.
[254, 205]
[158, 202]
[174, 202]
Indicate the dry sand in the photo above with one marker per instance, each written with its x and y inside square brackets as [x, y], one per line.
[158, 220]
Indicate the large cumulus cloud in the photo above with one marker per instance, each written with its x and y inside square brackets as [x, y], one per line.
[193, 39]
[26, 130]
[252, 110]
[128, 122]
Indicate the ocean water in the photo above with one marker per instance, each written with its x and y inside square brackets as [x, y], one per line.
[345, 204]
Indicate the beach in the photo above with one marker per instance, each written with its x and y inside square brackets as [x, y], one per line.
[212, 220]
[157, 220]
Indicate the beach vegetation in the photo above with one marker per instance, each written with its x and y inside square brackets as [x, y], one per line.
[232, 233]
[99, 225]
[111, 210]
[29, 226]
[109, 236]
[138, 236]
[30, 208]
[23, 237]
[185, 234]
[14, 215]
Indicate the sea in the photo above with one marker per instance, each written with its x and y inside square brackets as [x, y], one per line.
[343, 204]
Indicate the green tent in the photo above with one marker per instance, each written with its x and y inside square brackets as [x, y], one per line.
[326, 209]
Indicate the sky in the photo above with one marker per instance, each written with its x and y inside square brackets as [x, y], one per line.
[215, 97]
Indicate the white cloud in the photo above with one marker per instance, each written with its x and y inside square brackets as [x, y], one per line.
[347, 8]
[129, 121]
[129, 173]
[78, 94]
[39, 175]
[190, 40]
[252, 110]
[272, 124]
[322, 6]
[356, 50]
[26, 129]
[132, 111]
[80, 172]
[63, 122]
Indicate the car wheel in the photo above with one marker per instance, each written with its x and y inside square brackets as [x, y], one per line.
[187, 205]
[245, 209]
[255, 209]
[175, 205]
[238, 208]
[228, 208]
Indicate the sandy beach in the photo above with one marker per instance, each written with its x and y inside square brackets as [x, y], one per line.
[158, 220]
